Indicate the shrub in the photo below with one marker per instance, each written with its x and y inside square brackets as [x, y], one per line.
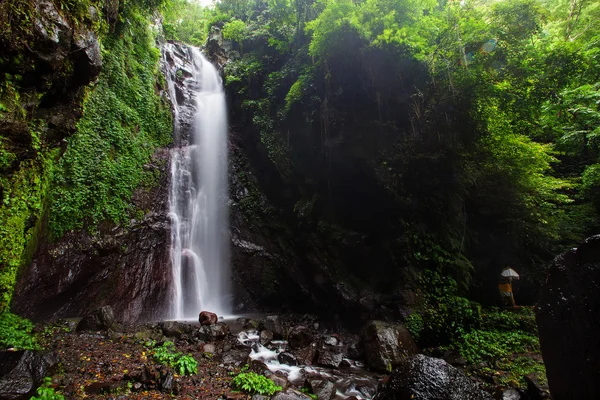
[414, 324]
[166, 354]
[480, 345]
[46, 391]
[16, 332]
[252, 383]
[446, 315]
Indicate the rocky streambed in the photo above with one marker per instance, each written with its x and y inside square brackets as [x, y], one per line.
[96, 358]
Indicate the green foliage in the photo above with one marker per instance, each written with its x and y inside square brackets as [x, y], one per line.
[165, 354]
[446, 315]
[15, 332]
[124, 120]
[234, 30]
[415, 325]
[506, 340]
[253, 383]
[186, 21]
[497, 320]
[483, 345]
[23, 203]
[46, 391]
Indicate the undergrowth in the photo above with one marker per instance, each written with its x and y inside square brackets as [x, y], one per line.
[47, 392]
[165, 354]
[253, 383]
[16, 332]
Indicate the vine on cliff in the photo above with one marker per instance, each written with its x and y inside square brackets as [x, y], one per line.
[124, 121]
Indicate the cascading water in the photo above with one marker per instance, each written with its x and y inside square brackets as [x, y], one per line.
[198, 200]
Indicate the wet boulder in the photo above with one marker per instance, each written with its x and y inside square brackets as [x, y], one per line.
[265, 337]
[427, 378]
[172, 329]
[290, 394]
[386, 345]
[287, 358]
[535, 389]
[324, 390]
[275, 324]
[22, 372]
[235, 357]
[210, 333]
[101, 319]
[568, 322]
[208, 318]
[330, 352]
[508, 394]
[307, 355]
[300, 337]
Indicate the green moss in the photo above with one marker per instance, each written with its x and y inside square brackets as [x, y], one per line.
[23, 197]
[123, 122]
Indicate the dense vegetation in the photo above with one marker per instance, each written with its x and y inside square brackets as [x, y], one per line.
[460, 136]
[85, 177]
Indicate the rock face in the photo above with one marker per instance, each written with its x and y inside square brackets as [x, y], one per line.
[21, 372]
[124, 267]
[568, 323]
[99, 320]
[386, 345]
[426, 378]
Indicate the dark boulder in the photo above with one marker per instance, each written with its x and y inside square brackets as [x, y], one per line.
[535, 389]
[507, 394]
[280, 381]
[307, 355]
[568, 323]
[330, 352]
[290, 394]
[300, 337]
[172, 329]
[386, 345]
[426, 378]
[275, 324]
[99, 320]
[235, 357]
[287, 358]
[208, 318]
[209, 333]
[265, 337]
[324, 390]
[22, 372]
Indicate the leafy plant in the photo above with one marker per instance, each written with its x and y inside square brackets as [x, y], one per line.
[446, 315]
[16, 332]
[414, 324]
[166, 354]
[481, 345]
[251, 382]
[46, 391]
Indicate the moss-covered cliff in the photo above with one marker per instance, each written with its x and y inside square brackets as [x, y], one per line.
[81, 114]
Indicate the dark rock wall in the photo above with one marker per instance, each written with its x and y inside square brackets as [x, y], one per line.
[125, 267]
[569, 323]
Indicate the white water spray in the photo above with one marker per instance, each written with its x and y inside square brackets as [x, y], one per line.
[198, 201]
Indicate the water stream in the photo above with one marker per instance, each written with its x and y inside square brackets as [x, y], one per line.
[198, 198]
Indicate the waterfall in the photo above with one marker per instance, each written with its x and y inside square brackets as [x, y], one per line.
[198, 199]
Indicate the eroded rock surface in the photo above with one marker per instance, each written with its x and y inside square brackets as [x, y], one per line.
[427, 378]
[387, 345]
[569, 323]
[21, 372]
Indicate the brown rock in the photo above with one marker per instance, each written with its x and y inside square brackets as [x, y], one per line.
[208, 318]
